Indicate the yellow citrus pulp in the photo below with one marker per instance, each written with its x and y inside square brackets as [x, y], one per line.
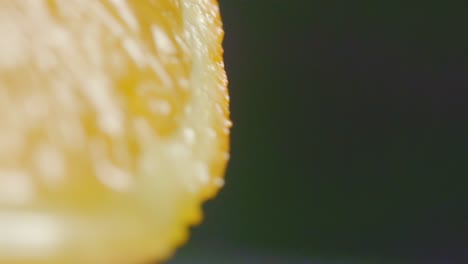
[114, 127]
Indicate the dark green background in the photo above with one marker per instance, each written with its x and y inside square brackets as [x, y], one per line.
[350, 135]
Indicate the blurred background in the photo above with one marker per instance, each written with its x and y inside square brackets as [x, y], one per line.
[350, 137]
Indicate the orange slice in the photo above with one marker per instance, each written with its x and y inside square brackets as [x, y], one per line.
[114, 127]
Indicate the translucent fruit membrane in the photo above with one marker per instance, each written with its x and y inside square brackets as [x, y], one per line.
[113, 127]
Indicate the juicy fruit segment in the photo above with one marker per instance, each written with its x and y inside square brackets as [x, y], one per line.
[113, 127]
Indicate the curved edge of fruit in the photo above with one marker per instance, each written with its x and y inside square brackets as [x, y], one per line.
[194, 213]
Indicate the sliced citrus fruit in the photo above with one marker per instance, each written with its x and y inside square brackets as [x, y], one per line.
[114, 127]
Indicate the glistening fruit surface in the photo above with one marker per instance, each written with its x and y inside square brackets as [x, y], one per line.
[113, 127]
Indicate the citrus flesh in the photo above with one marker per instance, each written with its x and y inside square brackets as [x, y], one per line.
[113, 127]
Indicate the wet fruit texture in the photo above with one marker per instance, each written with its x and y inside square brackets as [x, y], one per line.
[113, 127]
